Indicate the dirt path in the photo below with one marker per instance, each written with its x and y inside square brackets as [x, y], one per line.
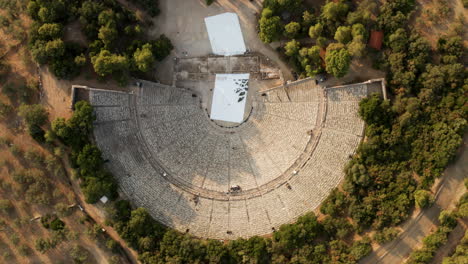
[449, 190]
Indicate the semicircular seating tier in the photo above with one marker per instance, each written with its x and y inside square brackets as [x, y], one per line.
[170, 158]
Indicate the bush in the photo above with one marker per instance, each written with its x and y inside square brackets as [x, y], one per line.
[42, 245]
[57, 224]
[52, 222]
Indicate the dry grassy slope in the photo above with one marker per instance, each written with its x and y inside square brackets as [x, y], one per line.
[435, 18]
[16, 228]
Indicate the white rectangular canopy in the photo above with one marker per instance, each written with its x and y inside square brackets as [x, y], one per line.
[225, 34]
[229, 97]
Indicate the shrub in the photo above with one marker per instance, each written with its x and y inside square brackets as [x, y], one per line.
[5, 110]
[57, 224]
[43, 245]
[79, 254]
[5, 205]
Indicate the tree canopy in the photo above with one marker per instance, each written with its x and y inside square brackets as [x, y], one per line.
[337, 62]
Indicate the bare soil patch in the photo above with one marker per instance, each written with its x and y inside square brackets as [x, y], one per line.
[435, 18]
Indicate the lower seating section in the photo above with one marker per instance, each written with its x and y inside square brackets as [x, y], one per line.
[169, 158]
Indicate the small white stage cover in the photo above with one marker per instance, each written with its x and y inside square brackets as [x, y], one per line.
[229, 97]
[225, 34]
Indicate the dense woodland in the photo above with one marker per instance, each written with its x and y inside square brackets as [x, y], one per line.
[116, 46]
[410, 139]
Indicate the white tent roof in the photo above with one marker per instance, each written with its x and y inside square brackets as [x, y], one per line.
[229, 97]
[104, 199]
[225, 34]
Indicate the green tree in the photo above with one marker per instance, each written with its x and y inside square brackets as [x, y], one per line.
[343, 34]
[33, 115]
[38, 51]
[359, 30]
[423, 198]
[55, 48]
[96, 187]
[398, 41]
[310, 60]
[386, 235]
[106, 17]
[50, 31]
[361, 248]
[308, 19]
[162, 47]
[270, 26]
[334, 11]
[106, 63]
[374, 111]
[316, 30]
[334, 204]
[357, 47]
[75, 131]
[89, 160]
[447, 219]
[337, 62]
[80, 60]
[144, 58]
[292, 29]
[451, 46]
[292, 48]
[108, 34]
